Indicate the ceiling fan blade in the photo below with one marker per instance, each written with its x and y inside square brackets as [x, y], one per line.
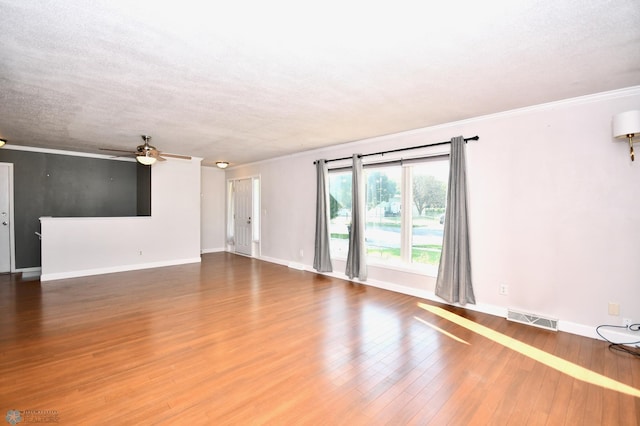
[184, 157]
[147, 150]
[117, 150]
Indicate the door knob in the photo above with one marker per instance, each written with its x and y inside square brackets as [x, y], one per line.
[5, 223]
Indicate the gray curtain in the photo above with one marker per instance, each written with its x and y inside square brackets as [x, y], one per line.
[322, 257]
[454, 272]
[357, 256]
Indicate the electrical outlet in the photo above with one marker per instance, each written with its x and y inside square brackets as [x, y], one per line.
[626, 322]
[504, 289]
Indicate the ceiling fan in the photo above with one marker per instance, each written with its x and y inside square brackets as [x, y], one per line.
[147, 154]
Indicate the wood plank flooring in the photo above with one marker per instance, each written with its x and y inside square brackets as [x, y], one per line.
[235, 340]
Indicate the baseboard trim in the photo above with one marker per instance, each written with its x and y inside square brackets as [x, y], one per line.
[213, 250]
[112, 269]
[279, 262]
[618, 335]
[32, 270]
[430, 295]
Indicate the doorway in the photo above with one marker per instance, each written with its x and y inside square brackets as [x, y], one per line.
[244, 215]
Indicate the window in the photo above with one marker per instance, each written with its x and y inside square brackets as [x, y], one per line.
[428, 200]
[405, 208]
[339, 212]
[383, 213]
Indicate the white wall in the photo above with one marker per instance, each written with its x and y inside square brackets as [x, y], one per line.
[213, 210]
[554, 203]
[85, 246]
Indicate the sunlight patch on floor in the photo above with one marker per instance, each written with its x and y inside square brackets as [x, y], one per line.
[536, 354]
[438, 329]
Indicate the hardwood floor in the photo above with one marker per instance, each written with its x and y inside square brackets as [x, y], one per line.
[239, 341]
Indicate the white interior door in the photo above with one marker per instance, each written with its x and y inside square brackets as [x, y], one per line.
[242, 220]
[5, 217]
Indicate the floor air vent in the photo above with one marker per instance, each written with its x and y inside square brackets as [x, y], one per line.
[532, 319]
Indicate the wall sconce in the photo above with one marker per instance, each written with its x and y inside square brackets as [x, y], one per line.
[2, 142]
[627, 125]
[222, 164]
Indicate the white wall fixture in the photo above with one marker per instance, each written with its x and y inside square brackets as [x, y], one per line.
[627, 125]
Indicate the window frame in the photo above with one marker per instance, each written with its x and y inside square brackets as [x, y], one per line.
[405, 263]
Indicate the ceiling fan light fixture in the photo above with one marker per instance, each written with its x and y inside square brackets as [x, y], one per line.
[222, 164]
[146, 159]
[2, 142]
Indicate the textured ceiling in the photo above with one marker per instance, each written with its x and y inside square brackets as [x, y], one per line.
[248, 80]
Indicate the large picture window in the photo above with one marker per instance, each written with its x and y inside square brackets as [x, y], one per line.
[405, 207]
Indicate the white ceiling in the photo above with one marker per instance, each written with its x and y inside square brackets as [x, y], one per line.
[248, 80]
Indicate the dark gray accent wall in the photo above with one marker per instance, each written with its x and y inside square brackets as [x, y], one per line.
[70, 186]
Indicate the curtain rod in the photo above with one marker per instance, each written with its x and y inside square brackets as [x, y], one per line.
[401, 162]
[474, 138]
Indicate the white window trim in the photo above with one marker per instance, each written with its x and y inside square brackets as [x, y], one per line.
[405, 216]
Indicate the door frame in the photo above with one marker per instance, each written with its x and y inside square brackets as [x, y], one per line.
[12, 244]
[230, 222]
[243, 210]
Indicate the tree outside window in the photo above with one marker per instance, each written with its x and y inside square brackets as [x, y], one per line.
[429, 192]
